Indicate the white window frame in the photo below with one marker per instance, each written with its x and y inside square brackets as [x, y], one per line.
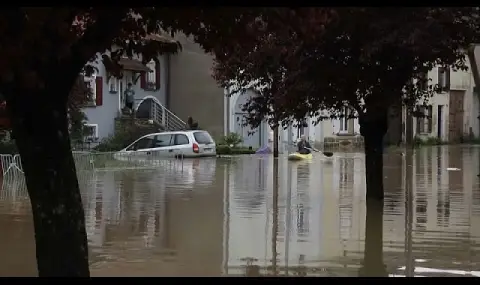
[428, 118]
[91, 81]
[95, 126]
[113, 82]
[343, 128]
[151, 79]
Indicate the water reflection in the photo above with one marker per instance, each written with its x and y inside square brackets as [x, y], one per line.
[235, 217]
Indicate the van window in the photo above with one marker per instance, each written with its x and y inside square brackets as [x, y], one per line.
[181, 139]
[202, 137]
[144, 143]
[163, 140]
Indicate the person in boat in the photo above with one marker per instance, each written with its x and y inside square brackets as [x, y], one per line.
[303, 147]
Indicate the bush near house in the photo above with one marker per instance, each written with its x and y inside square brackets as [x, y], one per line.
[228, 145]
[116, 142]
[120, 139]
[231, 139]
[126, 133]
[227, 150]
[8, 147]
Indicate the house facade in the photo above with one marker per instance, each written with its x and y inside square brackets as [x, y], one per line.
[149, 81]
[192, 91]
[449, 116]
[181, 86]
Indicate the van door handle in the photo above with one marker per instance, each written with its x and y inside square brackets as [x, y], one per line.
[149, 152]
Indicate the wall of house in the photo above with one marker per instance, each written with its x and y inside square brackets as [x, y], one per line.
[193, 91]
[435, 101]
[103, 115]
[254, 138]
[331, 129]
[460, 82]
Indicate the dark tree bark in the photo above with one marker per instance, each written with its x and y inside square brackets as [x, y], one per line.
[275, 142]
[373, 265]
[275, 217]
[373, 129]
[40, 125]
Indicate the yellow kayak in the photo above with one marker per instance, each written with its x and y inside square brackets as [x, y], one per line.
[298, 156]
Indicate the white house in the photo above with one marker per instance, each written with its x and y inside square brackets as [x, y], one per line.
[149, 81]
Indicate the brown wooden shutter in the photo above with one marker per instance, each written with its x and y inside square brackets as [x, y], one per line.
[157, 75]
[418, 120]
[143, 80]
[447, 79]
[99, 91]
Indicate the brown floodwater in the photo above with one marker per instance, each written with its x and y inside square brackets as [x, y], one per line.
[224, 217]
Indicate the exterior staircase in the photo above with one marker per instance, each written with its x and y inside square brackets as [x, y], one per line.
[165, 118]
[156, 119]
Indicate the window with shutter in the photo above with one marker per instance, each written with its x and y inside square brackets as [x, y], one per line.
[429, 118]
[444, 78]
[90, 132]
[151, 76]
[157, 74]
[113, 85]
[91, 83]
[424, 119]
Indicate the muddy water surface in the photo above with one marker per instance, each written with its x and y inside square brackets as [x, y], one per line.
[217, 217]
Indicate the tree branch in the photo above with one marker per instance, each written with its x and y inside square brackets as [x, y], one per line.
[98, 37]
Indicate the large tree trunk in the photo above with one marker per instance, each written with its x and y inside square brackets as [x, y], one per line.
[40, 126]
[373, 129]
[373, 265]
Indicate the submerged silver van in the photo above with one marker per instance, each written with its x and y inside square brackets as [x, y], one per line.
[191, 143]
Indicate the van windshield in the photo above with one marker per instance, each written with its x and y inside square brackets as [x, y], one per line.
[203, 137]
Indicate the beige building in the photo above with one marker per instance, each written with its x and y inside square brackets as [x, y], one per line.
[449, 116]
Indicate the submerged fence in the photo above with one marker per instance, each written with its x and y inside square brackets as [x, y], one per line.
[13, 178]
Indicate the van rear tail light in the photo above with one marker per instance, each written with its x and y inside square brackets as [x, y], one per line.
[196, 149]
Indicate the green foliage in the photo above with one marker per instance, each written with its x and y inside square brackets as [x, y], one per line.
[231, 139]
[80, 94]
[121, 139]
[8, 147]
[227, 150]
[469, 139]
[116, 142]
[428, 141]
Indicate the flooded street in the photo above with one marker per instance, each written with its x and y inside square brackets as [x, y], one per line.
[224, 217]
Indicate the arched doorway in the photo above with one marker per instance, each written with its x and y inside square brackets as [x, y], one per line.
[146, 106]
[144, 109]
[251, 137]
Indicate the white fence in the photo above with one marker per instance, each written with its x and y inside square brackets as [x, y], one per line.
[13, 177]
